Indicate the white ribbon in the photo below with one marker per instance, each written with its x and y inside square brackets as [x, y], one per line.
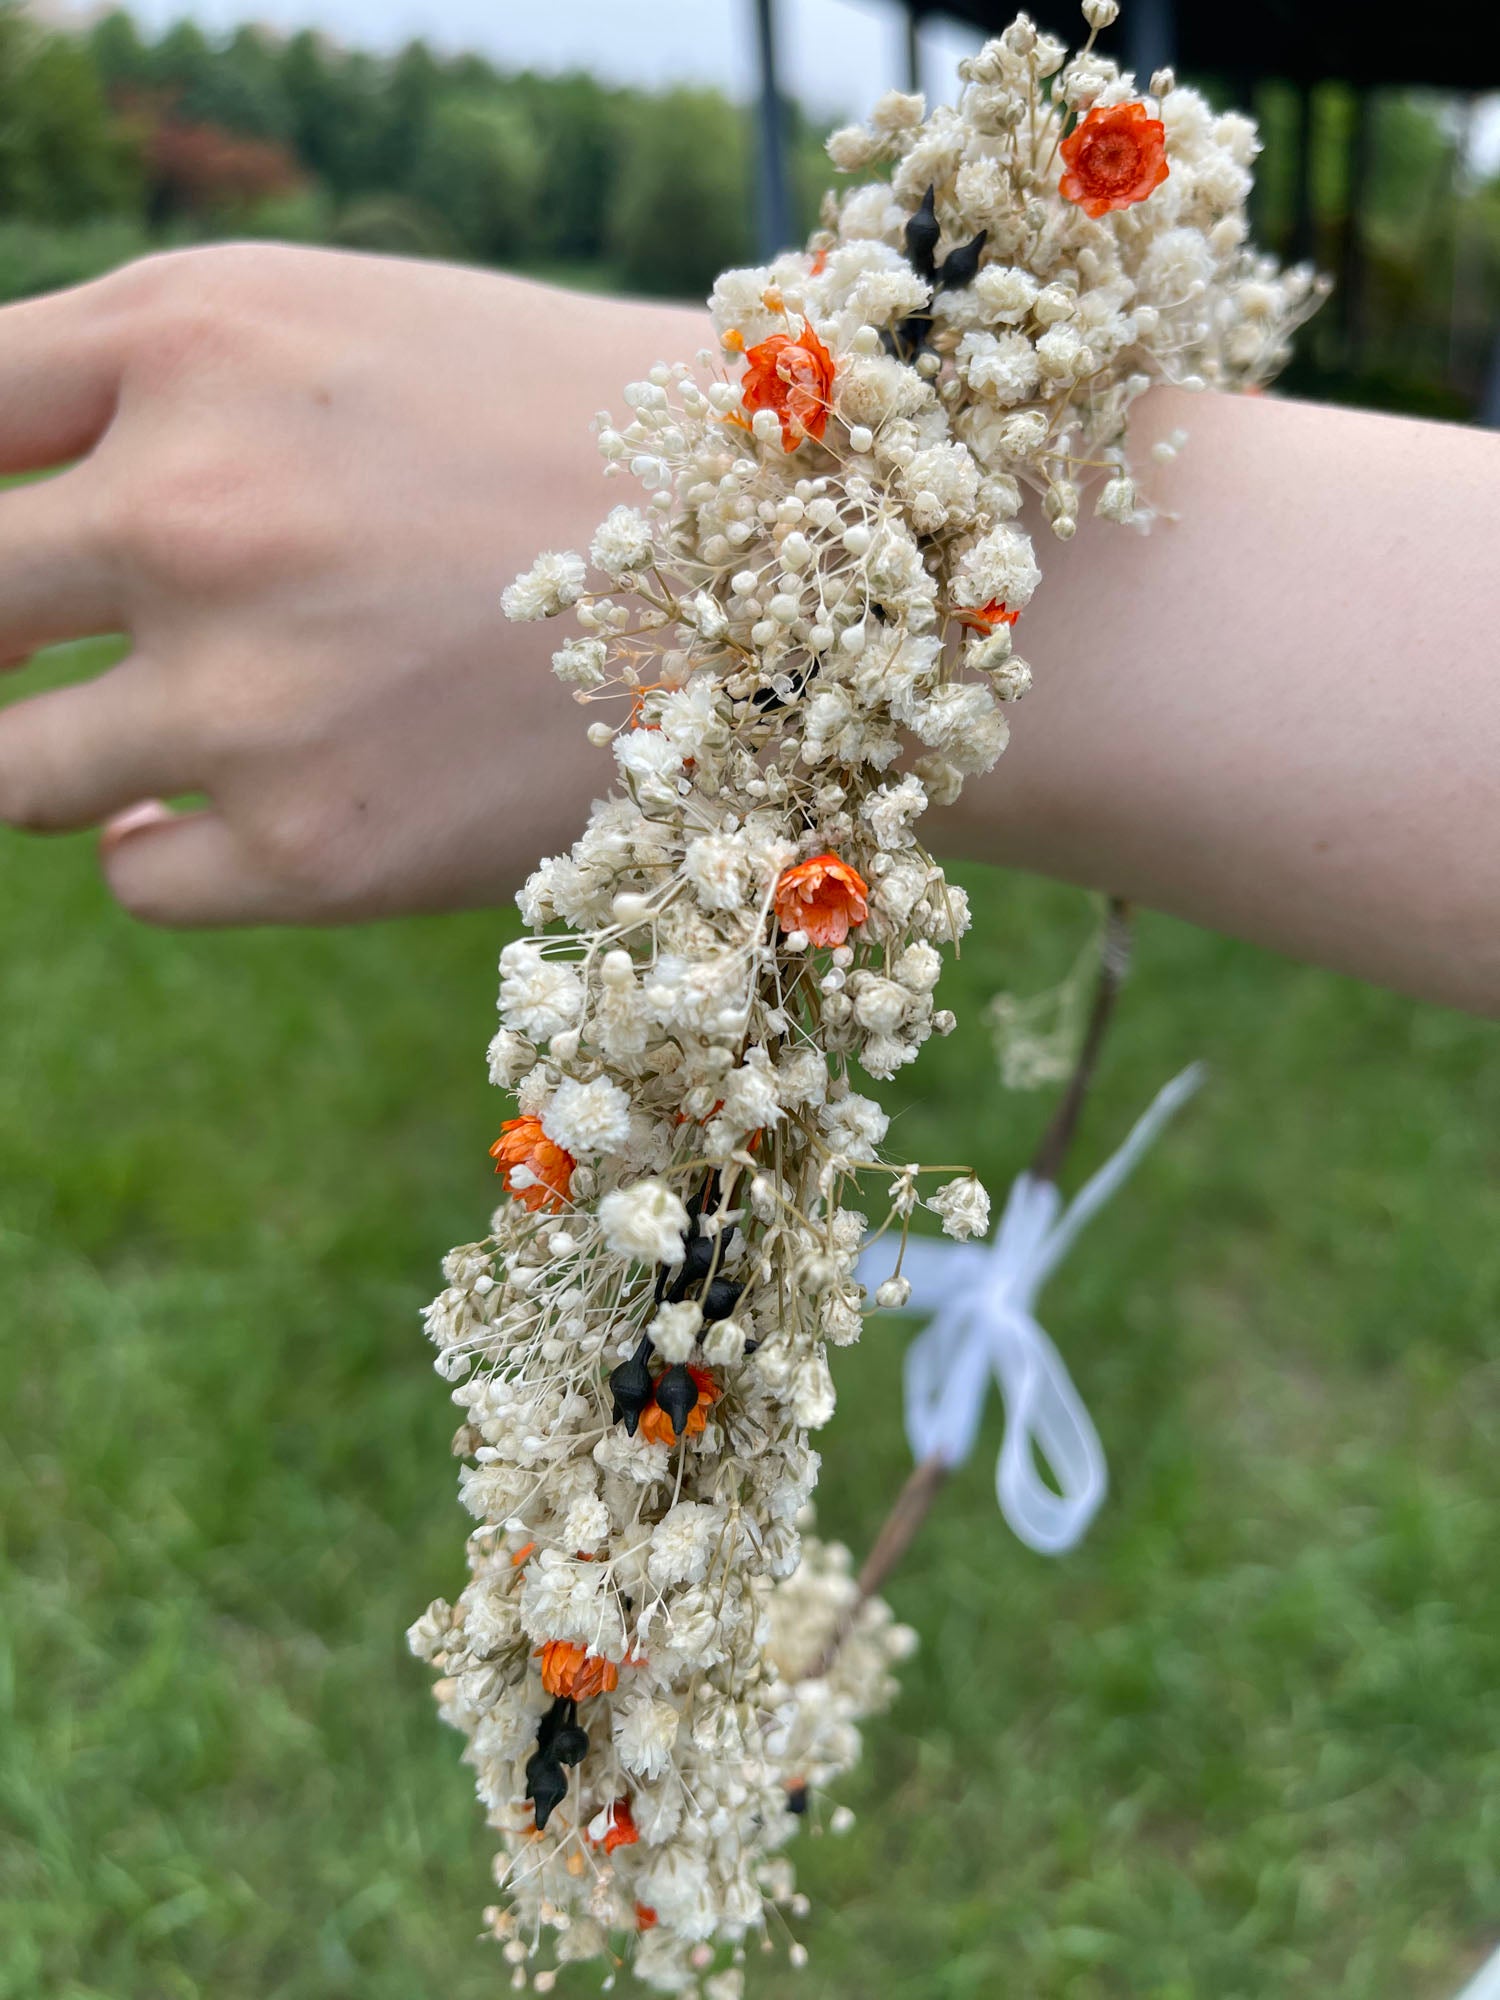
[1485, 1985]
[981, 1297]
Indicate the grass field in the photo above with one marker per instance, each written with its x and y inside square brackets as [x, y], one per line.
[1245, 1743]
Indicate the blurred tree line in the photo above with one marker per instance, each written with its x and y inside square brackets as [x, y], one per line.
[112, 141]
[110, 133]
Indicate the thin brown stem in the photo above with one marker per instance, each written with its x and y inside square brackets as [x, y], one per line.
[897, 1532]
[1114, 964]
[914, 1502]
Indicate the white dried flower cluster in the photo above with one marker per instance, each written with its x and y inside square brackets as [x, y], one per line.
[806, 625]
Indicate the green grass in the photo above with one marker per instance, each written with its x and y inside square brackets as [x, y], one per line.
[1245, 1743]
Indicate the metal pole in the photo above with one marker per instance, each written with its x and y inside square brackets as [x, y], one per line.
[1304, 221]
[1352, 248]
[774, 208]
[1150, 38]
[913, 47]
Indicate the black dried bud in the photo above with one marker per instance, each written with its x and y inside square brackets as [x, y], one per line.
[706, 1197]
[563, 1710]
[697, 1261]
[922, 233]
[630, 1384]
[571, 1744]
[677, 1394]
[960, 265]
[546, 1786]
[909, 336]
[796, 1799]
[719, 1301]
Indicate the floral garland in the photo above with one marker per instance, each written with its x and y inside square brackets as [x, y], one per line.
[656, 1671]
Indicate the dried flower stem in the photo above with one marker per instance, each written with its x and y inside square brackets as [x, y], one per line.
[1114, 965]
[927, 1479]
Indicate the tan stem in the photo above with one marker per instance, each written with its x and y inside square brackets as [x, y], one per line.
[897, 1532]
[914, 1502]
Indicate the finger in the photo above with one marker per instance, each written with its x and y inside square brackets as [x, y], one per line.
[187, 869]
[69, 758]
[57, 580]
[61, 360]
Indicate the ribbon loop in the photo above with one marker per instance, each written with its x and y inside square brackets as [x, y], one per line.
[980, 1299]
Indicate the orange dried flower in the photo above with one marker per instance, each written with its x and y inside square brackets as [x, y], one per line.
[793, 377]
[620, 1831]
[985, 617]
[638, 705]
[656, 1426]
[1114, 158]
[824, 897]
[571, 1670]
[645, 1917]
[523, 1143]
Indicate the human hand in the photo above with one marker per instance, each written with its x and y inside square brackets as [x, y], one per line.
[303, 479]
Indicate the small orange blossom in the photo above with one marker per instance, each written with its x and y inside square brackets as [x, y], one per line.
[1114, 158]
[656, 1426]
[571, 1670]
[824, 897]
[523, 1143]
[793, 377]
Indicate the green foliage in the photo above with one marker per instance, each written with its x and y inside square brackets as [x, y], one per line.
[394, 227]
[36, 258]
[413, 89]
[1242, 1744]
[580, 132]
[478, 169]
[62, 160]
[120, 54]
[303, 216]
[336, 109]
[240, 89]
[682, 208]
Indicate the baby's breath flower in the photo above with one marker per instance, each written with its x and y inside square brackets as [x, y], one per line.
[553, 582]
[622, 543]
[587, 1117]
[964, 1207]
[803, 636]
[647, 1221]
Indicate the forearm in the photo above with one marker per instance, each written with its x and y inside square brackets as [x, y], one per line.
[304, 479]
[1279, 714]
[1276, 715]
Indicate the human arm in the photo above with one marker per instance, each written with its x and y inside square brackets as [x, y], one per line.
[301, 481]
[1279, 714]
[304, 477]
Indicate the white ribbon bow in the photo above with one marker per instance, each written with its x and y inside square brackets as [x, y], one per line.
[981, 1297]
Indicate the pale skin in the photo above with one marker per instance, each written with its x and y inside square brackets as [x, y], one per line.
[298, 481]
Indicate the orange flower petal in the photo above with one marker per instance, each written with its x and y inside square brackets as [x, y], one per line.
[523, 1143]
[619, 1828]
[1115, 157]
[793, 377]
[655, 1425]
[824, 897]
[571, 1670]
[985, 617]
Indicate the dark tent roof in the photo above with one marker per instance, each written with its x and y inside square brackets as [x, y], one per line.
[1450, 44]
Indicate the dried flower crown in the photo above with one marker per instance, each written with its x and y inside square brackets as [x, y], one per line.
[655, 1670]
